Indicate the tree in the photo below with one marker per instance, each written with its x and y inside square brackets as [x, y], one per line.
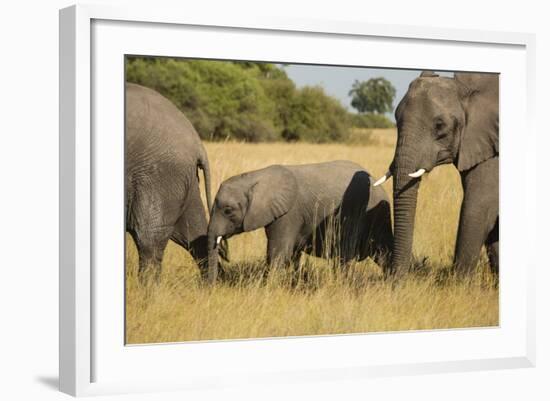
[373, 96]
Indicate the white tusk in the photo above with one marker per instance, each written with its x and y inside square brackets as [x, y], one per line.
[382, 179]
[417, 173]
[218, 240]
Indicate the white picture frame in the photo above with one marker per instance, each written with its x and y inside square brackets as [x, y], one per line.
[93, 357]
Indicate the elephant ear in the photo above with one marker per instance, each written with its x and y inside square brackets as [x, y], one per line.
[270, 197]
[479, 141]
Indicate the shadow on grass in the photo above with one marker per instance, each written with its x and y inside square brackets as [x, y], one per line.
[313, 275]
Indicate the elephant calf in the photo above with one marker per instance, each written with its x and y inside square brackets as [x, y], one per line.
[326, 209]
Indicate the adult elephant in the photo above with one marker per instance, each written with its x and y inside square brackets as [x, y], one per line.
[326, 209]
[449, 120]
[163, 155]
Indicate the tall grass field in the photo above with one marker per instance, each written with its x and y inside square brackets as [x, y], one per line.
[325, 299]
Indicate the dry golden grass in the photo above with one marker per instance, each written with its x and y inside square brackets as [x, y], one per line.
[326, 300]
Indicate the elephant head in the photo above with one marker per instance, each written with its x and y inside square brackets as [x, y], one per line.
[439, 120]
[247, 202]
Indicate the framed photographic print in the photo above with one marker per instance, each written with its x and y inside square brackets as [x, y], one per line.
[317, 200]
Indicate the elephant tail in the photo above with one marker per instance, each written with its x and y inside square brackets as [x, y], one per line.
[204, 165]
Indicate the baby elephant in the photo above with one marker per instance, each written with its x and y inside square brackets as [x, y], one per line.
[329, 210]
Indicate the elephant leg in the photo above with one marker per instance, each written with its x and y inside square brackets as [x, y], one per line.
[150, 238]
[190, 230]
[280, 251]
[478, 214]
[281, 254]
[151, 252]
[282, 247]
[492, 248]
[150, 222]
[382, 237]
[470, 239]
[382, 257]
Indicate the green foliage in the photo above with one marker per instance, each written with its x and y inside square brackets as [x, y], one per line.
[373, 96]
[371, 120]
[247, 101]
[316, 117]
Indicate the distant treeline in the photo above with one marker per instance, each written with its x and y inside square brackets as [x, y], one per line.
[248, 101]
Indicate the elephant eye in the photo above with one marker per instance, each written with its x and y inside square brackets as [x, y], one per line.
[227, 211]
[440, 131]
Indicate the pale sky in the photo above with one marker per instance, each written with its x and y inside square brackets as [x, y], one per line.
[337, 81]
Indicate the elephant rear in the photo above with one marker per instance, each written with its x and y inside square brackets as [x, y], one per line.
[163, 201]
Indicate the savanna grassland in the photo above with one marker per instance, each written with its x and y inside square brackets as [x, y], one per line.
[326, 300]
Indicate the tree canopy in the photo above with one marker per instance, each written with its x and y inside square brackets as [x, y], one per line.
[373, 96]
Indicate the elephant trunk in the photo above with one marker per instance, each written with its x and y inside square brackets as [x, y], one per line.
[405, 193]
[212, 258]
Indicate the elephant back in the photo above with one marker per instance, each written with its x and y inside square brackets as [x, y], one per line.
[155, 126]
[331, 184]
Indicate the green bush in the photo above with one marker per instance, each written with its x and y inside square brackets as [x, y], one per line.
[316, 117]
[371, 120]
[242, 100]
